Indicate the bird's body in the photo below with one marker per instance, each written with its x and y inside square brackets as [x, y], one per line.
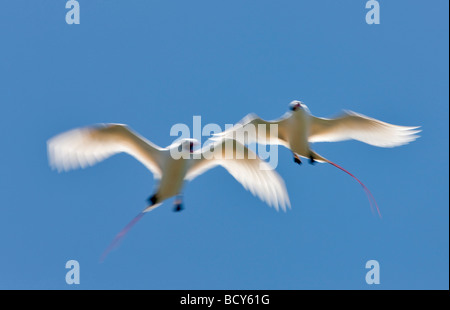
[297, 129]
[172, 180]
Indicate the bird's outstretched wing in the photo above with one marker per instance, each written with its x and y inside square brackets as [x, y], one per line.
[86, 146]
[246, 167]
[356, 126]
[253, 129]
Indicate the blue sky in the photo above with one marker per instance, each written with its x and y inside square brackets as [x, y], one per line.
[151, 64]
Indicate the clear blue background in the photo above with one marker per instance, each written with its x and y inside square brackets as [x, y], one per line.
[151, 64]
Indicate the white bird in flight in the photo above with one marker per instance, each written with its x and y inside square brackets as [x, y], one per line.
[86, 146]
[298, 128]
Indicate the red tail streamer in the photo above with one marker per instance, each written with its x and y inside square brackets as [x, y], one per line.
[372, 200]
[115, 243]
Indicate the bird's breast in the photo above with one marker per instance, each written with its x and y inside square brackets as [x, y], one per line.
[298, 129]
[172, 178]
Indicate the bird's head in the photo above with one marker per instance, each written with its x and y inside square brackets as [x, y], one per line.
[187, 145]
[298, 106]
